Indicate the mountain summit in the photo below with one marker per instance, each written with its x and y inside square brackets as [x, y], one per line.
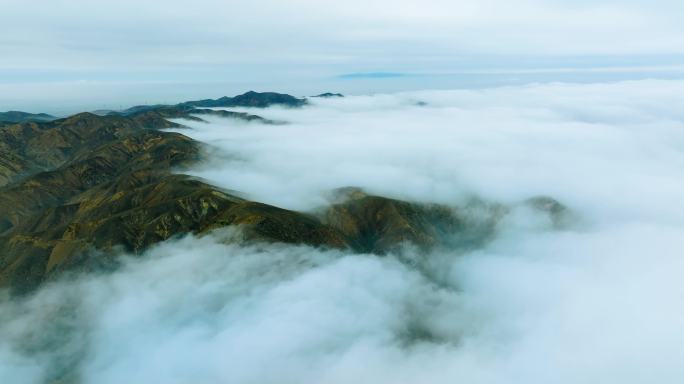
[249, 99]
[20, 117]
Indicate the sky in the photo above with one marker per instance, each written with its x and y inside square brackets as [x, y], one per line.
[61, 56]
[495, 100]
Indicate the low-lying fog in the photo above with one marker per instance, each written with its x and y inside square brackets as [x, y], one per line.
[600, 302]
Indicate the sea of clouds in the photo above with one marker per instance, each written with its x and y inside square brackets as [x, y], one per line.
[599, 302]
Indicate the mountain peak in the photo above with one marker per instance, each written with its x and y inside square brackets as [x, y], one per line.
[250, 99]
[22, 117]
[329, 95]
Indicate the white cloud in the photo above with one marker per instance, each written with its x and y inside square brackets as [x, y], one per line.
[585, 144]
[600, 303]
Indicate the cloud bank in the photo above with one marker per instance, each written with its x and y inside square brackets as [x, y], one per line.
[596, 303]
[588, 145]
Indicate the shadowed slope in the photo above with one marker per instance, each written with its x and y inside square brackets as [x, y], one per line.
[76, 192]
[111, 187]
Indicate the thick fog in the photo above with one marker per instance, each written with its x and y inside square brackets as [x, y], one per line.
[600, 301]
[613, 150]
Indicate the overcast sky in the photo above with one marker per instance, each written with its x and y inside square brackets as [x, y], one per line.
[67, 54]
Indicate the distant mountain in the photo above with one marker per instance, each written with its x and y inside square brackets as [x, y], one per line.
[187, 112]
[20, 117]
[249, 99]
[137, 109]
[329, 95]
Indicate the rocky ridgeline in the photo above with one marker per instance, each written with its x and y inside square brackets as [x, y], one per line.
[77, 192]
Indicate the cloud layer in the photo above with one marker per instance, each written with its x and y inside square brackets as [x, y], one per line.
[598, 303]
[588, 145]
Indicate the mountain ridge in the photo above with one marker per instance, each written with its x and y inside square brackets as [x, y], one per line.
[22, 117]
[249, 99]
[77, 192]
